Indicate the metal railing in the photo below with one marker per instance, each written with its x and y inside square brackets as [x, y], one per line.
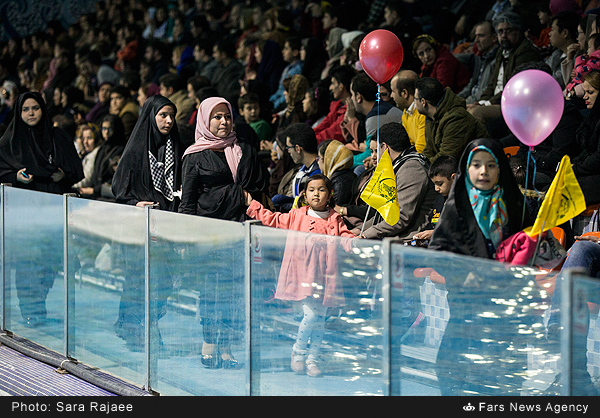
[138, 292]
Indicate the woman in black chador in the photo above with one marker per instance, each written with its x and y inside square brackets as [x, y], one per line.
[484, 207]
[149, 173]
[33, 154]
[36, 156]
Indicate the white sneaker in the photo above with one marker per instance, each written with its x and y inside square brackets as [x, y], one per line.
[298, 364]
[312, 369]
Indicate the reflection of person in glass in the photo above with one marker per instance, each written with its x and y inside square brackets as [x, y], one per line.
[484, 207]
[585, 255]
[36, 156]
[149, 173]
[217, 169]
[309, 268]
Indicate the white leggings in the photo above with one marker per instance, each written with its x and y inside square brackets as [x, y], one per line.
[311, 328]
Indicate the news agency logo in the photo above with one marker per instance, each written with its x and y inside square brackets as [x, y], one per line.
[468, 407]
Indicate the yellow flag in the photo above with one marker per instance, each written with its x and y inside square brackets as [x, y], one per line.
[380, 192]
[564, 200]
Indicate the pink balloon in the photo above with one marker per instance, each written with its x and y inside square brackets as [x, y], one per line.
[532, 104]
[380, 55]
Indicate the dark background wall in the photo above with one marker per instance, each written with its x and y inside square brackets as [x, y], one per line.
[23, 17]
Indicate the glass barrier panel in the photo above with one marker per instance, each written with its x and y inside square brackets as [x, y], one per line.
[317, 312]
[106, 244]
[468, 326]
[581, 330]
[34, 257]
[197, 305]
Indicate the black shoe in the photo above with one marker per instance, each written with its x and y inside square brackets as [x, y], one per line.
[230, 363]
[211, 361]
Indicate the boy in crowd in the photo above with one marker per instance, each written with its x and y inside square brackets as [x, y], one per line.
[249, 106]
[441, 173]
[291, 55]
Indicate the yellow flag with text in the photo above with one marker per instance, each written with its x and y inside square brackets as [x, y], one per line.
[380, 192]
[564, 200]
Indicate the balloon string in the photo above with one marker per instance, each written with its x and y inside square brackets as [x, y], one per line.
[378, 101]
[533, 179]
[526, 187]
[529, 156]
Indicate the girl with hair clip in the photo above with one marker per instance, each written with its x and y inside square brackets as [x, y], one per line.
[309, 268]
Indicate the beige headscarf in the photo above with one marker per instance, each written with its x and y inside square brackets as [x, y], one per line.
[337, 157]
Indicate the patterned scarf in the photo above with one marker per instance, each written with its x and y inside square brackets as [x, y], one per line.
[163, 174]
[488, 206]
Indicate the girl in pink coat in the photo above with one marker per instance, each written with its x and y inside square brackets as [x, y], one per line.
[309, 267]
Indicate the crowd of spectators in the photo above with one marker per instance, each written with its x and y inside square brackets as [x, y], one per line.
[290, 74]
[279, 64]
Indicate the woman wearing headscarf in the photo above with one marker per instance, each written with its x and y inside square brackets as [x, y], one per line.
[335, 49]
[149, 173]
[483, 208]
[270, 64]
[586, 165]
[217, 169]
[335, 161]
[439, 63]
[102, 106]
[33, 154]
[91, 141]
[462, 230]
[109, 153]
[295, 90]
[36, 156]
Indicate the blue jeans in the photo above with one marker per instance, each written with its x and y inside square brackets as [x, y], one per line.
[583, 254]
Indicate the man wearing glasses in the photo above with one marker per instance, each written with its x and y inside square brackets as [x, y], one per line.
[515, 49]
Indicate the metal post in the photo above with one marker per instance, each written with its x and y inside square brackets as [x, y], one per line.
[147, 297]
[386, 293]
[67, 300]
[566, 323]
[2, 254]
[66, 272]
[252, 356]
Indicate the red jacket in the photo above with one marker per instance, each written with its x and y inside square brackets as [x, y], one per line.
[448, 70]
[331, 126]
[309, 264]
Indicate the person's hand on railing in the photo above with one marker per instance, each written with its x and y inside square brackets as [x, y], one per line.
[144, 203]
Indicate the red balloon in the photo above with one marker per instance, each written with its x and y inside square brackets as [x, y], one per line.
[381, 55]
